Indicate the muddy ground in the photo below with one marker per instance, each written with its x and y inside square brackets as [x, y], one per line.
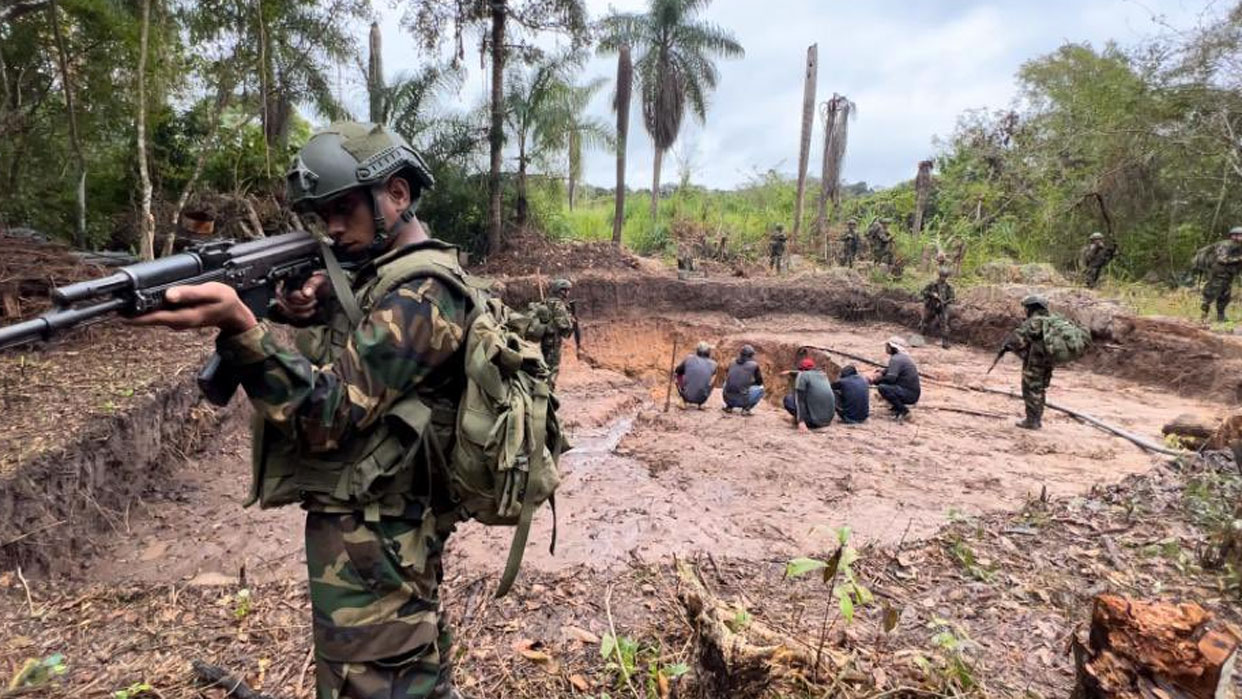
[964, 524]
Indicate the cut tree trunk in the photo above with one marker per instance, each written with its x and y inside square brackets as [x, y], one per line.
[625, 81]
[1139, 649]
[655, 187]
[496, 133]
[375, 75]
[922, 188]
[808, 127]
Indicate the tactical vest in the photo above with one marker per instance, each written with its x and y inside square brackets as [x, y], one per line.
[382, 468]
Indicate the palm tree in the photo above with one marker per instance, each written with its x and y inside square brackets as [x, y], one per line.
[580, 131]
[837, 112]
[674, 67]
[621, 105]
[536, 101]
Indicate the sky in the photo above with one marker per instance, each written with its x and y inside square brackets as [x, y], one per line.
[911, 67]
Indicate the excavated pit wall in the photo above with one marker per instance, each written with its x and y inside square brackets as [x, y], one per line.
[1168, 353]
[53, 507]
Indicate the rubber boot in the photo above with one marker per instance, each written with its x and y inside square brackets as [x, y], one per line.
[1220, 316]
[1027, 424]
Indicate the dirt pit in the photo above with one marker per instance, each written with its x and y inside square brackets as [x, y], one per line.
[642, 484]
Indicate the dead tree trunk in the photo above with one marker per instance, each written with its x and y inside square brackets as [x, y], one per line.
[496, 132]
[625, 82]
[75, 142]
[146, 222]
[1150, 649]
[375, 75]
[808, 127]
[922, 188]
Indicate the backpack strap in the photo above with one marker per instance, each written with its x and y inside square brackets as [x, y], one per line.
[538, 426]
[341, 286]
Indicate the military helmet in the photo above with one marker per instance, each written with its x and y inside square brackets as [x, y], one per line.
[1035, 300]
[559, 285]
[852, 221]
[1096, 236]
[1236, 230]
[350, 154]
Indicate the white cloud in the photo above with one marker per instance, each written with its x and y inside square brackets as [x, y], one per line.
[911, 67]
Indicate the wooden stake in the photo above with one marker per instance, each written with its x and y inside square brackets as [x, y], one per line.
[672, 362]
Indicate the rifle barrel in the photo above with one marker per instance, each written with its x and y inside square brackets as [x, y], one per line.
[44, 326]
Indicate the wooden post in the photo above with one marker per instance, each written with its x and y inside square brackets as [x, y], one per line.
[808, 127]
[1154, 649]
[672, 362]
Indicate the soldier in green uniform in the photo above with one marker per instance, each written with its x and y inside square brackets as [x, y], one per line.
[348, 425]
[556, 324]
[1093, 257]
[1223, 265]
[881, 241]
[850, 243]
[937, 297]
[776, 249]
[1027, 341]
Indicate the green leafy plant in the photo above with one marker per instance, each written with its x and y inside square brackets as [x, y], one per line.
[950, 668]
[838, 574]
[37, 672]
[242, 603]
[136, 689]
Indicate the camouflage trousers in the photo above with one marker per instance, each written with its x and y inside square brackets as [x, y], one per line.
[1217, 289]
[552, 357]
[935, 316]
[374, 589]
[1091, 276]
[884, 255]
[849, 251]
[776, 261]
[1035, 381]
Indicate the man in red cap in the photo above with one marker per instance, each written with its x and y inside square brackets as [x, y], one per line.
[812, 403]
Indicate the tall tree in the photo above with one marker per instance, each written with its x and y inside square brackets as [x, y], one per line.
[580, 131]
[837, 112]
[74, 141]
[922, 188]
[433, 20]
[675, 67]
[808, 126]
[146, 222]
[621, 105]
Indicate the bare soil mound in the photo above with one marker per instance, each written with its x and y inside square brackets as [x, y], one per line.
[528, 252]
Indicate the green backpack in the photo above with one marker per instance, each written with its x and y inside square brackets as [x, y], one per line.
[505, 462]
[1064, 339]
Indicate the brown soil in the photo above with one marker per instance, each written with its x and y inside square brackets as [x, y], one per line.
[931, 502]
[529, 252]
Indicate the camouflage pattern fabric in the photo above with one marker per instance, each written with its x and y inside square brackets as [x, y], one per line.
[1093, 258]
[560, 327]
[850, 245]
[404, 339]
[1226, 261]
[937, 297]
[1028, 341]
[776, 251]
[881, 243]
[374, 589]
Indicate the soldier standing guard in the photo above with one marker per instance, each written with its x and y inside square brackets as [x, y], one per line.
[1095, 255]
[850, 243]
[1223, 264]
[776, 250]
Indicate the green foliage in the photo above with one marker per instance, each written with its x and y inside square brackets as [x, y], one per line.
[838, 574]
[243, 602]
[627, 659]
[951, 667]
[133, 691]
[39, 672]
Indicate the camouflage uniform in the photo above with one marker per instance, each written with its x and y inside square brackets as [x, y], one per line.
[1093, 258]
[776, 250]
[1028, 342]
[1225, 263]
[374, 536]
[937, 297]
[850, 244]
[881, 243]
[559, 327]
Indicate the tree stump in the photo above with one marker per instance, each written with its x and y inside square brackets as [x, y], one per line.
[1141, 649]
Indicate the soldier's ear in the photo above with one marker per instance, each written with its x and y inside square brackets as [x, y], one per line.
[398, 190]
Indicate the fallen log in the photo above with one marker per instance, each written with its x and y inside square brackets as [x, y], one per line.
[1152, 649]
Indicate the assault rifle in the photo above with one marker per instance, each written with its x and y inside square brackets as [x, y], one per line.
[573, 313]
[254, 268]
[1001, 353]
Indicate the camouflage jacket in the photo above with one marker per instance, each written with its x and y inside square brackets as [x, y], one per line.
[1027, 341]
[938, 293]
[323, 401]
[1096, 255]
[1226, 259]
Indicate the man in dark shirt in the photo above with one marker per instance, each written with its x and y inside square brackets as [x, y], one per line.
[899, 382]
[694, 376]
[853, 396]
[743, 384]
[812, 402]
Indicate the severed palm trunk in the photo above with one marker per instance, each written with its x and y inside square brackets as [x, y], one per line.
[496, 136]
[625, 85]
[836, 120]
[375, 75]
[655, 187]
[575, 165]
[808, 127]
[922, 188]
[146, 222]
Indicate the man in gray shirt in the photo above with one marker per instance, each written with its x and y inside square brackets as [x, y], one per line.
[899, 382]
[744, 384]
[694, 376]
[812, 402]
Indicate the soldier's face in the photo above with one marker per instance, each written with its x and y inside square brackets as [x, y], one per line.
[348, 221]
